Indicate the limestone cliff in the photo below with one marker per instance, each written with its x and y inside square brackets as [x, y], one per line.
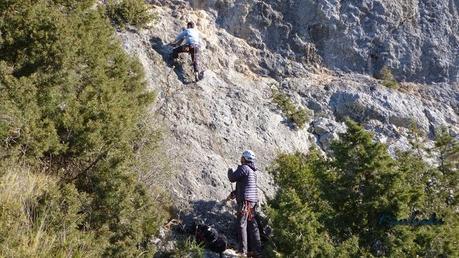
[323, 54]
[417, 39]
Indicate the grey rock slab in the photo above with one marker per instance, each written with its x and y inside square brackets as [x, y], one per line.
[320, 53]
[418, 40]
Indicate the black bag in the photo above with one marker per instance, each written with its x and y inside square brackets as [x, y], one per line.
[211, 238]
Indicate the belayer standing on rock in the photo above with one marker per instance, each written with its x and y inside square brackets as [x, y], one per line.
[192, 45]
[246, 195]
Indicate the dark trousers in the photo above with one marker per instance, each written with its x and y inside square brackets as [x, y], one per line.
[194, 52]
[248, 233]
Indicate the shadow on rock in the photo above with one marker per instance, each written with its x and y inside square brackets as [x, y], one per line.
[214, 215]
[217, 214]
[165, 50]
[290, 124]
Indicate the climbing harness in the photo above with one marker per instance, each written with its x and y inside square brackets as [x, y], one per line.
[248, 211]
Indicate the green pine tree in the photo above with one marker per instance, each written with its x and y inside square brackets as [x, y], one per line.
[297, 231]
[364, 186]
[71, 101]
[361, 202]
[448, 151]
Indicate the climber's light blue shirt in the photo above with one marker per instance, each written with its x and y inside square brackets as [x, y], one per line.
[191, 36]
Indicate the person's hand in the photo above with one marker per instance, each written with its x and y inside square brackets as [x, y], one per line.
[230, 172]
[231, 196]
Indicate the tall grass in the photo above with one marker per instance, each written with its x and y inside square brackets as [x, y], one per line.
[28, 228]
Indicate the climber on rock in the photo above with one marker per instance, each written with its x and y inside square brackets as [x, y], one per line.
[192, 44]
[246, 196]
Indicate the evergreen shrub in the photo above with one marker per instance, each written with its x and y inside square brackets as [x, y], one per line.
[388, 78]
[71, 106]
[298, 115]
[362, 202]
[133, 12]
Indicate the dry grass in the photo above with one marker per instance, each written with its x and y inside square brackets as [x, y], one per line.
[411, 88]
[18, 189]
[322, 76]
[22, 232]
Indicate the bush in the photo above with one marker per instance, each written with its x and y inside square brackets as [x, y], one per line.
[387, 78]
[362, 202]
[297, 231]
[132, 12]
[71, 102]
[299, 116]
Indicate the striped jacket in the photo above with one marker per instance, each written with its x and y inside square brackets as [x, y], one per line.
[245, 177]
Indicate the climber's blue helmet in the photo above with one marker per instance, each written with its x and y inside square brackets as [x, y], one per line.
[248, 155]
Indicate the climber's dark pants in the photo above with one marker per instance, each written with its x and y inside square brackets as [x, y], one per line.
[192, 49]
[248, 232]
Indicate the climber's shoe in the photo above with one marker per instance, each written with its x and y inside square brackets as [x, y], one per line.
[241, 254]
[198, 76]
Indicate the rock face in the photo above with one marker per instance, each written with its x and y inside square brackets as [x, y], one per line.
[417, 39]
[301, 48]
